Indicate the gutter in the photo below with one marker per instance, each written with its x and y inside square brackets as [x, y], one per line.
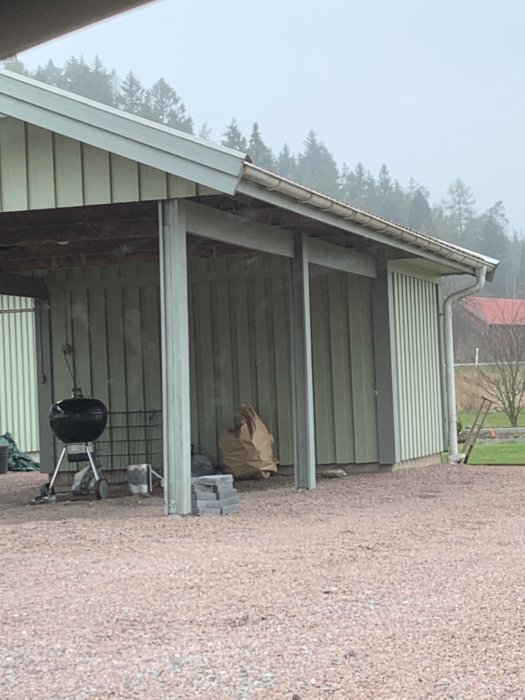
[453, 456]
[272, 182]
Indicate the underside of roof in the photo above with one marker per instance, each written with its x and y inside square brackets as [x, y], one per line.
[26, 23]
[242, 187]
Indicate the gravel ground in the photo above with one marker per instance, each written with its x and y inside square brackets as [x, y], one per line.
[402, 586]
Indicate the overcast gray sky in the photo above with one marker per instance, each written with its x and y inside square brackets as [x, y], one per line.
[434, 90]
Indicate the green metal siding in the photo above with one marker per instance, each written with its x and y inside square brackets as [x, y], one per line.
[43, 170]
[240, 348]
[418, 373]
[344, 381]
[18, 395]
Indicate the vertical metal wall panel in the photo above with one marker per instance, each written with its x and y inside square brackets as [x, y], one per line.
[18, 394]
[417, 352]
[344, 380]
[240, 348]
[40, 169]
[363, 381]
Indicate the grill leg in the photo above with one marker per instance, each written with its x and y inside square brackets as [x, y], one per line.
[92, 462]
[57, 468]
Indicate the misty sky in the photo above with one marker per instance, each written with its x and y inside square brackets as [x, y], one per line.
[434, 90]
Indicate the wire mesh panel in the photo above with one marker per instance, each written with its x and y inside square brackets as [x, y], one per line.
[131, 437]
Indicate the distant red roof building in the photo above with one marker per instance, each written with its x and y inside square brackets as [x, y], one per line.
[478, 319]
[497, 312]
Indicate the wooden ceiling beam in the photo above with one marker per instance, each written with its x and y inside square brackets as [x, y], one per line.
[44, 235]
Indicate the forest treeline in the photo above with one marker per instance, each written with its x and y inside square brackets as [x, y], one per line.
[455, 218]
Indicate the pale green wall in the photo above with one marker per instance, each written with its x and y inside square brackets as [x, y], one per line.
[18, 380]
[43, 170]
[419, 407]
[240, 348]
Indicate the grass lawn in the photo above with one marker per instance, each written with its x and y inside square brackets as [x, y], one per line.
[496, 452]
[494, 420]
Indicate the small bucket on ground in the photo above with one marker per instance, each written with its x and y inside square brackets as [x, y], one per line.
[139, 478]
[4, 458]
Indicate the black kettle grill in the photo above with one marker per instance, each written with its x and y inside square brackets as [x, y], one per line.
[78, 422]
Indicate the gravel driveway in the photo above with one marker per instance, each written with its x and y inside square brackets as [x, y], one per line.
[403, 586]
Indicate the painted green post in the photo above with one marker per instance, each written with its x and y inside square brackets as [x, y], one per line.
[385, 368]
[302, 378]
[175, 358]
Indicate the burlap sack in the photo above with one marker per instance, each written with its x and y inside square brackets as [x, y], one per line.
[247, 448]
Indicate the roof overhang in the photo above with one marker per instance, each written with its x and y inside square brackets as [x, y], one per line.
[26, 23]
[445, 257]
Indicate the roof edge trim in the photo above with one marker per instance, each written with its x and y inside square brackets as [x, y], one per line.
[113, 130]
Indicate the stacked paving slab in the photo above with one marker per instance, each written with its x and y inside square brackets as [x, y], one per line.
[214, 495]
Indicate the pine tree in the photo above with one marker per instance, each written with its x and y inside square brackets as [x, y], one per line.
[419, 213]
[233, 137]
[50, 74]
[132, 96]
[358, 187]
[286, 164]
[259, 152]
[459, 208]
[317, 168]
[167, 108]
[94, 82]
[15, 65]
[205, 132]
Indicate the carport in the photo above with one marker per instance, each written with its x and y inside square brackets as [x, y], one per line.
[148, 248]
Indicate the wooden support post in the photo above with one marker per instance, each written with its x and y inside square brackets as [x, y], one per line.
[175, 358]
[384, 361]
[44, 384]
[303, 394]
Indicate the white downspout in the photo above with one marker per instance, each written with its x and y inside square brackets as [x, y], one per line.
[449, 360]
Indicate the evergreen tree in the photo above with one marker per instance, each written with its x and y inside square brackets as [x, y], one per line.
[459, 208]
[493, 225]
[166, 107]
[50, 74]
[233, 137]
[357, 187]
[205, 132]
[259, 152]
[515, 277]
[419, 213]
[132, 96]
[15, 65]
[317, 167]
[94, 82]
[286, 164]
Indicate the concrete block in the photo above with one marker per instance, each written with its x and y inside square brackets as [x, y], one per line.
[207, 511]
[234, 508]
[224, 502]
[214, 480]
[225, 491]
[203, 495]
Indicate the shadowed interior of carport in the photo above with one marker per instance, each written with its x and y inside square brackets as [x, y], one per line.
[102, 273]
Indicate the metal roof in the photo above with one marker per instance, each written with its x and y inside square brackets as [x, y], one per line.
[497, 312]
[220, 168]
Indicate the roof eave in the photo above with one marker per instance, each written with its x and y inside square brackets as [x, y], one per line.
[460, 260]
